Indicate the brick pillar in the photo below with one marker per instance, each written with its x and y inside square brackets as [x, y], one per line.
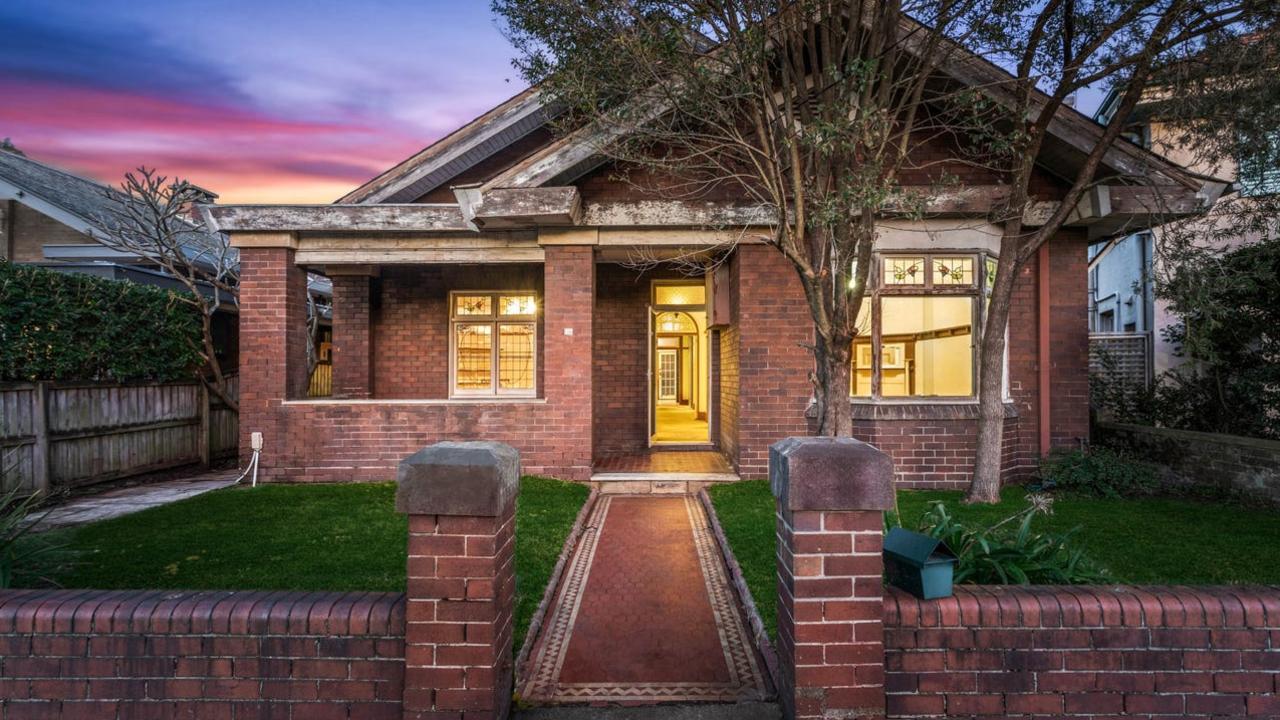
[568, 308]
[774, 362]
[831, 495]
[460, 498]
[273, 344]
[352, 377]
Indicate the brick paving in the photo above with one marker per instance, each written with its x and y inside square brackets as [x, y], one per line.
[644, 614]
[664, 461]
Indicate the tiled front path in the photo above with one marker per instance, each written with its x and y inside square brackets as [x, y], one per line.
[644, 613]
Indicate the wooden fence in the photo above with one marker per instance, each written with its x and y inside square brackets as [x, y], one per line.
[64, 435]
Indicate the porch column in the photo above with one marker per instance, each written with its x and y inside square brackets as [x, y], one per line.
[831, 497]
[570, 289]
[460, 498]
[273, 341]
[352, 374]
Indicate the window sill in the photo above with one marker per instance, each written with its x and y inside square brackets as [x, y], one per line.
[425, 401]
[922, 409]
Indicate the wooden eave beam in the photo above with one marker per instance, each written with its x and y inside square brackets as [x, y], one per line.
[522, 207]
[409, 217]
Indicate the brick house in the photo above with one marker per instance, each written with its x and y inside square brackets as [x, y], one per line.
[503, 284]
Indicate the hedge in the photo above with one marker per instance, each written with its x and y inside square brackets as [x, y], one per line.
[57, 326]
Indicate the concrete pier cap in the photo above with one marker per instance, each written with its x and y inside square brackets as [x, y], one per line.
[830, 473]
[479, 478]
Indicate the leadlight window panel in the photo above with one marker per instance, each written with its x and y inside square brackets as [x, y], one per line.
[473, 357]
[989, 281]
[904, 270]
[516, 342]
[676, 294]
[517, 305]
[927, 346]
[675, 322]
[473, 305]
[952, 270]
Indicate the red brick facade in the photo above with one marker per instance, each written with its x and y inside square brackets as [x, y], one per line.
[592, 384]
[1024, 652]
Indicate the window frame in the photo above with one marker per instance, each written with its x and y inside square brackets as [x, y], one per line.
[494, 320]
[978, 290]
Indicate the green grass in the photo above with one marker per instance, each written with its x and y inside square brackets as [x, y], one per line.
[745, 511]
[296, 537]
[1141, 541]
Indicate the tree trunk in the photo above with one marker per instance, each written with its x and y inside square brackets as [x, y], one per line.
[985, 487]
[835, 409]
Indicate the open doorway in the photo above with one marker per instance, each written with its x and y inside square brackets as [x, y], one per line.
[679, 365]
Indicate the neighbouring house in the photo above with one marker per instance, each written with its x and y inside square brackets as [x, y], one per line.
[48, 217]
[504, 284]
[1124, 313]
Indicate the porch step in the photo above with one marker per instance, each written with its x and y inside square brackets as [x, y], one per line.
[655, 483]
[709, 711]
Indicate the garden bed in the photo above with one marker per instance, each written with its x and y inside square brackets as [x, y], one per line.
[296, 537]
[1164, 541]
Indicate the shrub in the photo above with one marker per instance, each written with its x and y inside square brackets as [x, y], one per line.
[31, 561]
[56, 326]
[1098, 471]
[1009, 552]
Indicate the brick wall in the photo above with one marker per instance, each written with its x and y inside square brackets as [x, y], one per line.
[1069, 339]
[410, 332]
[621, 359]
[1024, 652]
[1226, 462]
[209, 654]
[351, 353]
[932, 446]
[32, 230]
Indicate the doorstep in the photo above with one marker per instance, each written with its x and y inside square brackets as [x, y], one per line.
[622, 483]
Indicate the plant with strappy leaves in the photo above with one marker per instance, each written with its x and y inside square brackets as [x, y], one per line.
[25, 559]
[1010, 552]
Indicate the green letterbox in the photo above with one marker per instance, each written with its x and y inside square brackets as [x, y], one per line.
[920, 564]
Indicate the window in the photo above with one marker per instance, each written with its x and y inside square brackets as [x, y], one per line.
[916, 329]
[1107, 321]
[1260, 165]
[493, 343]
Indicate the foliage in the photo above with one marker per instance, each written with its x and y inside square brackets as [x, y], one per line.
[1008, 552]
[1098, 471]
[24, 557]
[58, 326]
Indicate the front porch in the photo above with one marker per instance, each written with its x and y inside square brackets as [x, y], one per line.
[659, 470]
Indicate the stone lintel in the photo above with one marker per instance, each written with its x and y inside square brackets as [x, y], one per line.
[828, 473]
[479, 478]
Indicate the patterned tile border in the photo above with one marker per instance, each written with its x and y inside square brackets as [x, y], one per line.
[746, 681]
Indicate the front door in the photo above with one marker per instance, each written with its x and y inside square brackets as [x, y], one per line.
[668, 375]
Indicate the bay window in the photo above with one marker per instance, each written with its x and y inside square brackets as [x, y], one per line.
[492, 343]
[917, 326]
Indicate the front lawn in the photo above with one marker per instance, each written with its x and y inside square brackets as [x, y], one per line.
[297, 537]
[1140, 541]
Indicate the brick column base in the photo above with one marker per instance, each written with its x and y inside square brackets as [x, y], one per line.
[460, 498]
[831, 494]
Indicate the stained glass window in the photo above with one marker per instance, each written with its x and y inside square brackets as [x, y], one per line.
[991, 274]
[518, 305]
[953, 270]
[680, 294]
[903, 270]
[472, 305]
[492, 357]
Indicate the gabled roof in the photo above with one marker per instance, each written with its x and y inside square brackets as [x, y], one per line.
[564, 159]
[75, 201]
[456, 152]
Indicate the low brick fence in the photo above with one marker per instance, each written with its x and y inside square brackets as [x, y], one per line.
[1087, 651]
[142, 654]
[1231, 462]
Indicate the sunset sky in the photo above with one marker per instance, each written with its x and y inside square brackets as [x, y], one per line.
[256, 100]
